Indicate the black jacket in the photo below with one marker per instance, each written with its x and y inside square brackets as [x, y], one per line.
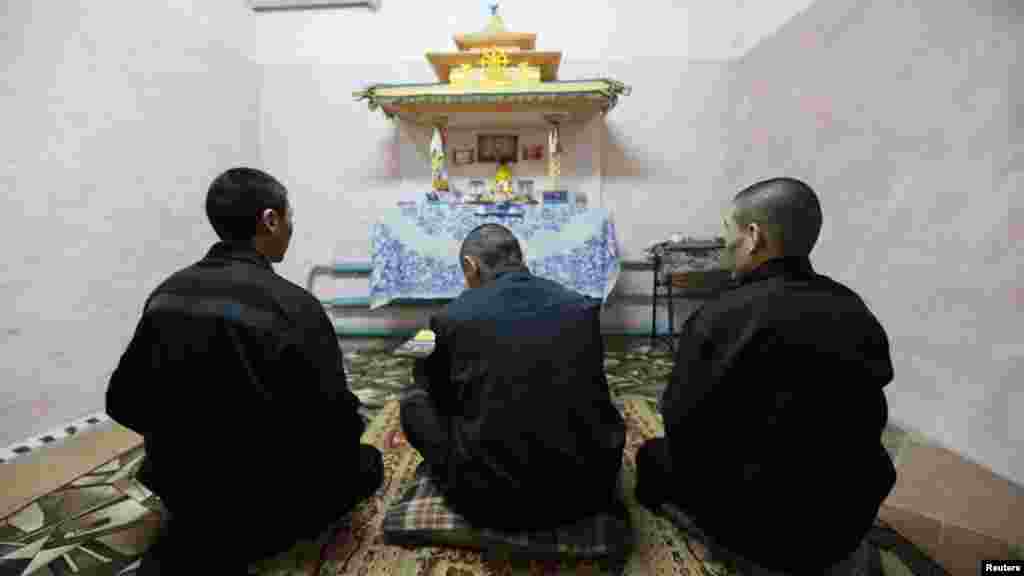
[774, 415]
[235, 379]
[519, 368]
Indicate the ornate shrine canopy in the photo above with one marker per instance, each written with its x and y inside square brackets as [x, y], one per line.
[495, 71]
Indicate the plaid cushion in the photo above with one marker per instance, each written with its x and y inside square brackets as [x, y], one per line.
[421, 517]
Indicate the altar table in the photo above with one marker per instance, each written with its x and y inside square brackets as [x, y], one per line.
[415, 248]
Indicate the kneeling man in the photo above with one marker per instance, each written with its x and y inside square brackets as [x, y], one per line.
[511, 411]
[235, 380]
[775, 408]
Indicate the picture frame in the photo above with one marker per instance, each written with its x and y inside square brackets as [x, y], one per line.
[535, 152]
[463, 156]
[497, 148]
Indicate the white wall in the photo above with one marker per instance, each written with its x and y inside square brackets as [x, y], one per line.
[590, 31]
[905, 116]
[115, 117]
[662, 150]
[901, 114]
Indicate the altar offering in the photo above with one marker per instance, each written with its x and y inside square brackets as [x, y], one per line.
[418, 347]
[525, 194]
[477, 189]
[556, 196]
[503, 184]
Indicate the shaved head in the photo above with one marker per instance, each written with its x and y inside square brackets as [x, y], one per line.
[492, 247]
[786, 209]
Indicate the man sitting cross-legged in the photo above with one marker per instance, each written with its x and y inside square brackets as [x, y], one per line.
[511, 411]
[775, 409]
[235, 380]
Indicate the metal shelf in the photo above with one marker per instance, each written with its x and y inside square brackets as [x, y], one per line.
[663, 288]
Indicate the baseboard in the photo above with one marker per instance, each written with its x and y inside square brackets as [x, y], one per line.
[52, 437]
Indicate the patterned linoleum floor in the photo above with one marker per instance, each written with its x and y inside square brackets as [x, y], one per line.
[102, 522]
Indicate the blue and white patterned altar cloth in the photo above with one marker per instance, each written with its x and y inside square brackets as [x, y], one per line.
[415, 249]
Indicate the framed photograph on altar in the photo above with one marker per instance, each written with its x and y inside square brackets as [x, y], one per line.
[535, 152]
[462, 156]
[497, 148]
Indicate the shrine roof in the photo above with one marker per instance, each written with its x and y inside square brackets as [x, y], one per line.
[579, 99]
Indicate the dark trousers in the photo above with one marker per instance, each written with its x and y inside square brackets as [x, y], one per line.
[206, 540]
[789, 546]
[468, 489]
[473, 491]
[425, 423]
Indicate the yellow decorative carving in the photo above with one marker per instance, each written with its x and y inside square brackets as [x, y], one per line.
[494, 73]
[494, 61]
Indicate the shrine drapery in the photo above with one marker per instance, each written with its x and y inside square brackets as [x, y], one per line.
[415, 249]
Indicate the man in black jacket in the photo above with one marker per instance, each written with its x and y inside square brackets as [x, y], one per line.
[511, 411]
[775, 408]
[235, 380]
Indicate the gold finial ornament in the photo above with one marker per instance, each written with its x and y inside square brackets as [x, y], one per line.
[495, 59]
[496, 24]
[495, 33]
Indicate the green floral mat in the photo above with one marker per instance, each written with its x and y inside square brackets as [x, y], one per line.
[102, 522]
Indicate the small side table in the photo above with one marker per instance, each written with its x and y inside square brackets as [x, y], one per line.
[660, 256]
